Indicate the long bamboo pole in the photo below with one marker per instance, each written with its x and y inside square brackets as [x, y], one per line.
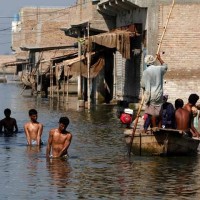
[135, 124]
[142, 101]
[165, 28]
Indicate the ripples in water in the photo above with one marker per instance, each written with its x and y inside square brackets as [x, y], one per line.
[98, 167]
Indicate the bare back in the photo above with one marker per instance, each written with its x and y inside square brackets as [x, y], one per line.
[183, 119]
[188, 107]
[9, 124]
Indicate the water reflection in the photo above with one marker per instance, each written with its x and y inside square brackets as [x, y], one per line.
[171, 177]
[98, 167]
[59, 171]
[33, 150]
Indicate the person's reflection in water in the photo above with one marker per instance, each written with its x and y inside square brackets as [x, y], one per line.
[32, 165]
[33, 150]
[59, 170]
[9, 138]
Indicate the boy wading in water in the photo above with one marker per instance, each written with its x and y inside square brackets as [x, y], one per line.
[59, 140]
[33, 129]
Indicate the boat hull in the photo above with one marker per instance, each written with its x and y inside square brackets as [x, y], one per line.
[163, 142]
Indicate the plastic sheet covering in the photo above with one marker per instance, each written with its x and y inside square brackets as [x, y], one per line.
[59, 70]
[78, 66]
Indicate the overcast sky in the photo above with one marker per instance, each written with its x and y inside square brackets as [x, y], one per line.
[8, 8]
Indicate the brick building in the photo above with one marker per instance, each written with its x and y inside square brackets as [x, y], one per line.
[180, 44]
[87, 21]
[39, 28]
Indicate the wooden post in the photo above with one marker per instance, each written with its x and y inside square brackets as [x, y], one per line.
[63, 88]
[51, 79]
[88, 68]
[67, 84]
[57, 87]
[115, 74]
[79, 88]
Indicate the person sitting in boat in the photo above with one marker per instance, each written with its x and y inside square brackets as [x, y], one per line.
[8, 125]
[152, 84]
[183, 118]
[167, 113]
[192, 100]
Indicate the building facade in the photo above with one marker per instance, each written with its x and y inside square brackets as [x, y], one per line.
[179, 47]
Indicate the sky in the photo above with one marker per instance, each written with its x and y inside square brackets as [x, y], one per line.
[8, 8]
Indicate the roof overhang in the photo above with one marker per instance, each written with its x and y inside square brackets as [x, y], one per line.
[77, 30]
[39, 49]
[61, 58]
[113, 7]
[15, 63]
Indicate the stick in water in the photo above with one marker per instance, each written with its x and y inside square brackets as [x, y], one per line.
[135, 124]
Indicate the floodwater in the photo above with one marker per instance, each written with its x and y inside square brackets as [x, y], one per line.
[98, 167]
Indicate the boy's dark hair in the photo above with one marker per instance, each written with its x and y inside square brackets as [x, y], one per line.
[32, 112]
[193, 98]
[179, 103]
[7, 111]
[64, 120]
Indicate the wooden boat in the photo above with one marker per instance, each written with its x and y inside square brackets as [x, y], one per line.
[161, 141]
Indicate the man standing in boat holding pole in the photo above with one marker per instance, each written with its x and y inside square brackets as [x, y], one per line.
[152, 84]
[148, 98]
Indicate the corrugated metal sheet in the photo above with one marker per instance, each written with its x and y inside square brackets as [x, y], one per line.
[120, 75]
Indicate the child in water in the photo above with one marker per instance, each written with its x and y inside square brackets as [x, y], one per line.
[33, 129]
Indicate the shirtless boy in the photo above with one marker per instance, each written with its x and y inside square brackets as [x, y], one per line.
[182, 116]
[33, 129]
[192, 100]
[59, 140]
[8, 124]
